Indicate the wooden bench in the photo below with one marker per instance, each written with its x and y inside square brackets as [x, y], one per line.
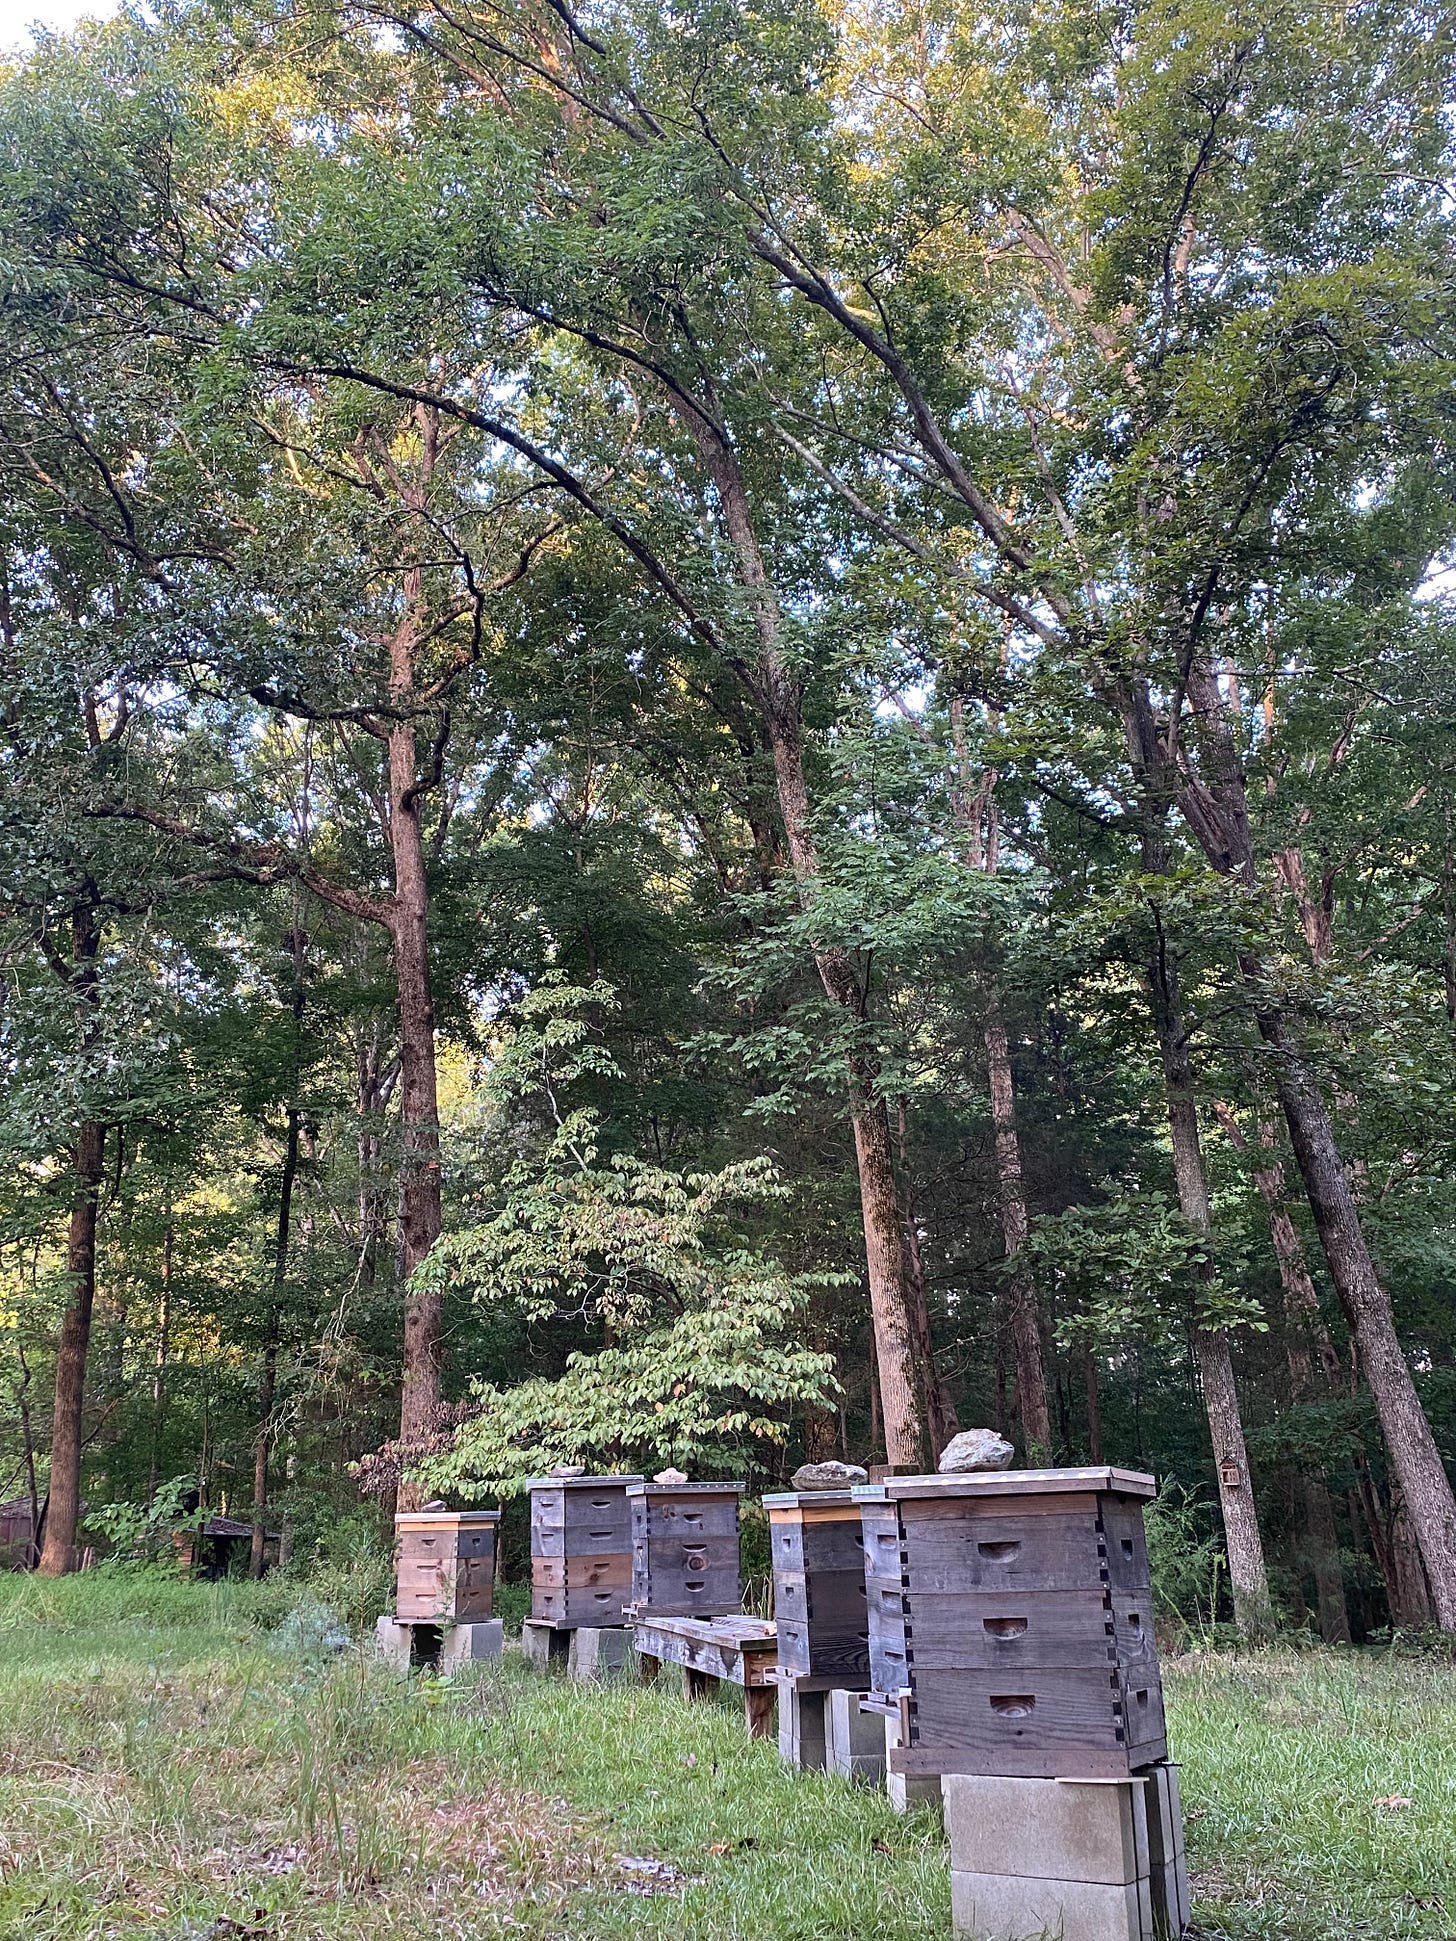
[743, 1650]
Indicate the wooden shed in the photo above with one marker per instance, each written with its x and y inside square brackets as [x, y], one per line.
[1011, 1624]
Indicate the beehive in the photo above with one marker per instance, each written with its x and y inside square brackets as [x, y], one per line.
[1010, 1621]
[685, 1555]
[581, 1550]
[819, 1587]
[445, 1565]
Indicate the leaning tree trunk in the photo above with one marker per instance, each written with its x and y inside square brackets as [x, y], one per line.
[903, 1377]
[1410, 1445]
[1214, 803]
[64, 1508]
[1248, 1576]
[1318, 1542]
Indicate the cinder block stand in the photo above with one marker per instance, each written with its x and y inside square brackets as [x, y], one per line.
[596, 1652]
[907, 1789]
[411, 1645]
[1067, 1857]
[544, 1644]
[802, 1726]
[854, 1740]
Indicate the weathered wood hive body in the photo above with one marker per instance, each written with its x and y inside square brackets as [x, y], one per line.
[819, 1587]
[581, 1550]
[445, 1565]
[685, 1549]
[1010, 1617]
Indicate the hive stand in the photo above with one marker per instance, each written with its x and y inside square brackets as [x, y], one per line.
[581, 1573]
[444, 1590]
[823, 1631]
[742, 1650]
[1010, 1617]
[685, 1549]
[1087, 1860]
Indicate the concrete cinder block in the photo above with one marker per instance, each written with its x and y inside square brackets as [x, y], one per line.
[596, 1653]
[543, 1644]
[854, 1742]
[392, 1641]
[905, 1790]
[1168, 1869]
[1011, 1907]
[1047, 1829]
[464, 1644]
[802, 1728]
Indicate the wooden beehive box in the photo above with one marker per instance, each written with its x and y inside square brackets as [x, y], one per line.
[444, 1565]
[1010, 1621]
[685, 1556]
[581, 1550]
[819, 1587]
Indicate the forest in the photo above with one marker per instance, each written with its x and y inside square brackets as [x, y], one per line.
[727, 739]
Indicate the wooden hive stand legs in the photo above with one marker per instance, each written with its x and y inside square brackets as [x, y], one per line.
[758, 1710]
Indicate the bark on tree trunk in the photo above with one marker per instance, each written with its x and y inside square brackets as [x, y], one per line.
[58, 1552]
[1094, 1409]
[1026, 1343]
[1317, 1544]
[1410, 1445]
[1216, 811]
[975, 810]
[1248, 1576]
[903, 1376]
[419, 1182]
[163, 1349]
[942, 1422]
[282, 1235]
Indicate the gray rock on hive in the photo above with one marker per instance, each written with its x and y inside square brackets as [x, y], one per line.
[975, 1449]
[829, 1475]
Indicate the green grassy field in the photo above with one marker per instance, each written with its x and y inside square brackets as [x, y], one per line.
[174, 1764]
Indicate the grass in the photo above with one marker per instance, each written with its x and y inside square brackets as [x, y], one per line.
[176, 1763]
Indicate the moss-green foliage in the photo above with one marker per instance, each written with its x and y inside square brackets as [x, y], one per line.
[171, 1765]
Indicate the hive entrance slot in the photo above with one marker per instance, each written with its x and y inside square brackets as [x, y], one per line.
[1127, 1549]
[1004, 1627]
[1000, 1553]
[1134, 1624]
[1015, 1705]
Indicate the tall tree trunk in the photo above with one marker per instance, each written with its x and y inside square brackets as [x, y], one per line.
[419, 1177]
[1031, 1390]
[942, 1421]
[1214, 804]
[1410, 1445]
[1318, 1542]
[282, 1233]
[903, 1376]
[163, 1347]
[1248, 1576]
[974, 809]
[1094, 1409]
[63, 1512]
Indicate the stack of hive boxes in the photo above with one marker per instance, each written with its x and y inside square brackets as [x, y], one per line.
[444, 1588]
[685, 1549]
[823, 1630]
[581, 1572]
[1011, 1640]
[581, 1550]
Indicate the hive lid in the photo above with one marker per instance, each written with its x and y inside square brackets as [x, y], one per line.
[578, 1482]
[438, 1519]
[686, 1489]
[1009, 1482]
[795, 1499]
